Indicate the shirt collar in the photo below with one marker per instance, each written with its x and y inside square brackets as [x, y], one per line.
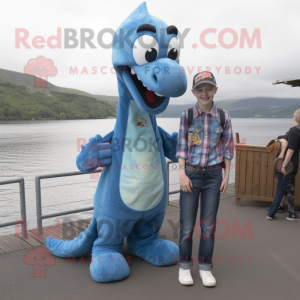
[197, 111]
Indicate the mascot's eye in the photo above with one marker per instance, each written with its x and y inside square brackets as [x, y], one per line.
[151, 55]
[173, 49]
[173, 54]
[43, 258]
[145, 49]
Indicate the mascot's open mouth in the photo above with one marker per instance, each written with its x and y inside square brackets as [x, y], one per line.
[152, 99]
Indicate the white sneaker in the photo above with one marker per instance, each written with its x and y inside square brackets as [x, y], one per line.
[185, 277]
[207, 278]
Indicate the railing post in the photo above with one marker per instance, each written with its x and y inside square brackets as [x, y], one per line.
[38, 198]
[23, 207]
[23, 222]
[168, 180]
[38, 205]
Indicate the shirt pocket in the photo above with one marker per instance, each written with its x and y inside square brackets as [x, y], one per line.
[215, 134]
[195, 137]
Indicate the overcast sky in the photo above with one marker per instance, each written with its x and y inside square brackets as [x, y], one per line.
[277, 21]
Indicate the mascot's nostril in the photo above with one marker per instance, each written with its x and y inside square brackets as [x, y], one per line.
[154, 77]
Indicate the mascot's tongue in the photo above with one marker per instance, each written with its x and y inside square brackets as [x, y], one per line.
[150, 96]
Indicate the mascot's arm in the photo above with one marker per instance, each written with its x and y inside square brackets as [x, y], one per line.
[96, 153]
[169, 143]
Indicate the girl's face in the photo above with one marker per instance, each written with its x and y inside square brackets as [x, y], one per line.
[205, 93]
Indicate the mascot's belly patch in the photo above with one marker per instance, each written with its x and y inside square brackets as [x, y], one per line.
[141, 178]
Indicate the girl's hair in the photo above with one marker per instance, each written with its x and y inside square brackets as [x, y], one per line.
[297, 115]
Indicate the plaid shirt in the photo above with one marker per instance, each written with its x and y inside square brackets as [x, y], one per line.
[200, 144]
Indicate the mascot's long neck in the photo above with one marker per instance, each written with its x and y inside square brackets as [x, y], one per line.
[141, 158]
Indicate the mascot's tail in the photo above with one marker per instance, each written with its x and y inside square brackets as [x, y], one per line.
[81, 245]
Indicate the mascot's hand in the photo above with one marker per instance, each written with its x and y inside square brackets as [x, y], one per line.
[98, 153]
[174, 135]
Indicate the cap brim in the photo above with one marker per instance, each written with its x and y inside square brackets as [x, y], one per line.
[205, 81]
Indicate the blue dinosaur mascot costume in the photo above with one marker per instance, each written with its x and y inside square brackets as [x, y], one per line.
[131, 196]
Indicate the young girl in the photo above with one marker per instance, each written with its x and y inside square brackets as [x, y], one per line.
[201, 152]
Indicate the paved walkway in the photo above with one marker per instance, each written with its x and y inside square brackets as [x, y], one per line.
[261, 263]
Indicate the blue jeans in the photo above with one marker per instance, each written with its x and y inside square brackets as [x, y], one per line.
[282, 186]
[206, 182]
[290, 196]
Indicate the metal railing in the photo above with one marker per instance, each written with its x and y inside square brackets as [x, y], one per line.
[39, 214]
[168, 181]
[23, 222]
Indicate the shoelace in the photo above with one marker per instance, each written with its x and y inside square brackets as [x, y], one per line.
[186, 273]
[208, 274]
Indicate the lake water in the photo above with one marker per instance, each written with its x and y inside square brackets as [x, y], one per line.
[31, 148]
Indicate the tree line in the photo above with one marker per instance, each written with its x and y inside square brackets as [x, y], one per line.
[16, 103]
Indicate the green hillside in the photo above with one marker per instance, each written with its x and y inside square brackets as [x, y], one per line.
[16, 103]
[42, 102]
[28, 81]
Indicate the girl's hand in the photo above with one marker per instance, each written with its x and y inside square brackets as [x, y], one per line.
[185, 183]
[224, 185]
[283, 171]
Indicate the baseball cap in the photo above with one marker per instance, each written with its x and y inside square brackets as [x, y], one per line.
[204, 77]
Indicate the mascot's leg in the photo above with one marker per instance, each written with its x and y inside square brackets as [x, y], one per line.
[108, 263]
[81, 245]
[143, 241]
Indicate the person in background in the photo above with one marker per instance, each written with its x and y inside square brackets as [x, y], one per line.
[286, 182]
[283, 139]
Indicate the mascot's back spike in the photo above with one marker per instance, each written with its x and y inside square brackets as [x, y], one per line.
[141, 10]
[131, 196]
[139, 14]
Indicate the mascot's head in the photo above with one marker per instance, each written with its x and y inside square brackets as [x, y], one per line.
[146, 58]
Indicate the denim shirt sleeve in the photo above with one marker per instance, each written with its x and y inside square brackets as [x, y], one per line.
[227, 141]
[182, 144]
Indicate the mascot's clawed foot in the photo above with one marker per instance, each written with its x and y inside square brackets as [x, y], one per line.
[157, 252]
[143, 241]
[108, 265]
